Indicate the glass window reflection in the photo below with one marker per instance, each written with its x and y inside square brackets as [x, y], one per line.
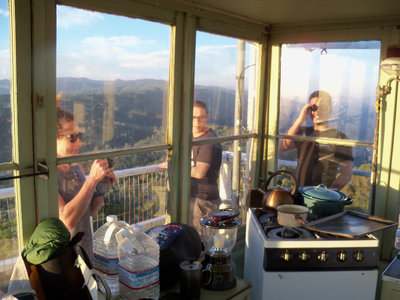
[225, 81]
[113, 78]
[5, 76]
[327, 97]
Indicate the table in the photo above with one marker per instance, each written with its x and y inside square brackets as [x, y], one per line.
[242, 291]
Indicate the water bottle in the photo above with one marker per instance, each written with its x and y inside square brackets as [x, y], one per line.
[105, 248]
[138, 265]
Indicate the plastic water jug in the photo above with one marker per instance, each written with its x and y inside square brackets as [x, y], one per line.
[105, 248]
[138, 264]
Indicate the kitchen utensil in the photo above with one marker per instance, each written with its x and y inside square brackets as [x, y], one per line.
[279, 195]
[219, 237]
[350, 224]
[291, 215]
[191, 279]
[322, 201]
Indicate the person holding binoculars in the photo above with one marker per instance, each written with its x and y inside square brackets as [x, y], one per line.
[319, 163]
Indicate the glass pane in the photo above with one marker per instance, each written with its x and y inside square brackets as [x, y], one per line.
[328, 90]
[139, 195]
[358, 187]
[5, 103]
[8, 231]
[225, 81]
[139, 192]
[112, 72]
[347, 71]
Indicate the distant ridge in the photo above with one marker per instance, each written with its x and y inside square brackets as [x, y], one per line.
[4, 86]
[79, 85]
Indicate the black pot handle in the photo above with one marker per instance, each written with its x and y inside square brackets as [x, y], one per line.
[348, 201]
[282, 172]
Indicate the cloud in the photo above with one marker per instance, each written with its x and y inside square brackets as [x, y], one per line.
[4, 12]
[115, 42]
[217, 48]
[4, 64]
[117, 57]
[68, 17]
[216, 65]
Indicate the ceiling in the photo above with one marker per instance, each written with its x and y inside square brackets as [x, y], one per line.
[277, 12]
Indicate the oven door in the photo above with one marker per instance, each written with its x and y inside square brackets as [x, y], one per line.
[326, 285]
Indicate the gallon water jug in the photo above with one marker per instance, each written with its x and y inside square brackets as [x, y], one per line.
[138, 264]
[105, 248]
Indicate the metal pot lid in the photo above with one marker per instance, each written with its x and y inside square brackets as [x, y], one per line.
[321, 192]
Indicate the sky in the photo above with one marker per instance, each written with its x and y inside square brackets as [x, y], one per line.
[4, 41]
[107, 47]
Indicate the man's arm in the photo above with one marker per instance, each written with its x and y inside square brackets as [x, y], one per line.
[203, 161]
[199, 170]
[288, 144]
[344, 176]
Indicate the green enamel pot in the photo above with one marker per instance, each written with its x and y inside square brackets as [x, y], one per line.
[322, 201]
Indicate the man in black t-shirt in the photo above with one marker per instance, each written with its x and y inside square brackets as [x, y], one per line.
[319, 163]
[204, 173]
[206, 162]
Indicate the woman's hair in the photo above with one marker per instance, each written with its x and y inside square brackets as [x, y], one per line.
[63, 117]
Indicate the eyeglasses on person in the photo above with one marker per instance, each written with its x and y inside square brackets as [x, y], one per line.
[200, 118]
[73, 137]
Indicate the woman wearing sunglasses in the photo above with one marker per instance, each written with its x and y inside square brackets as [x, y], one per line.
[77, 197]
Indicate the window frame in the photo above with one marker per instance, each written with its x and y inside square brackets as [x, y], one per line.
[33, 55]
[388, 182]
[33, 36]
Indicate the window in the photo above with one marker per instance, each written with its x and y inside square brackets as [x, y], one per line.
[5, 111]
[346, 74]
[225, 80]
[112, 74]
[8, 227]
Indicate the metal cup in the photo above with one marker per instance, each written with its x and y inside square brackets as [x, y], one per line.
[190, 280]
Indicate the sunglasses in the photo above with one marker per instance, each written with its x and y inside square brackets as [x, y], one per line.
[74, 137]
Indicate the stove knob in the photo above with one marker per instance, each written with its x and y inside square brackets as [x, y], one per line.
[286, 256]
[341, 256]
[358, 255]
[323, 256]
[304, 256]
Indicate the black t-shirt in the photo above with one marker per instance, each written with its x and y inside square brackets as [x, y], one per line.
[207, 187]
[318, 163]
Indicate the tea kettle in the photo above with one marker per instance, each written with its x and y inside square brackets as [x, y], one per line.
[278, 195]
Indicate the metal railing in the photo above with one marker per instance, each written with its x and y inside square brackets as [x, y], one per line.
[139, 195]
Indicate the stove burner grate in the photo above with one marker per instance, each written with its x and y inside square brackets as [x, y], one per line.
[283, 233]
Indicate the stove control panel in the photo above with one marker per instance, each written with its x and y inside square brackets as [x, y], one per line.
[313, 259]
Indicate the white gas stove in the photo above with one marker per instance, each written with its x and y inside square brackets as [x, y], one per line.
[295, 263]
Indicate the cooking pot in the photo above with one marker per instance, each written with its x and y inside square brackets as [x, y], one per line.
[322, 201]
[290, 215]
